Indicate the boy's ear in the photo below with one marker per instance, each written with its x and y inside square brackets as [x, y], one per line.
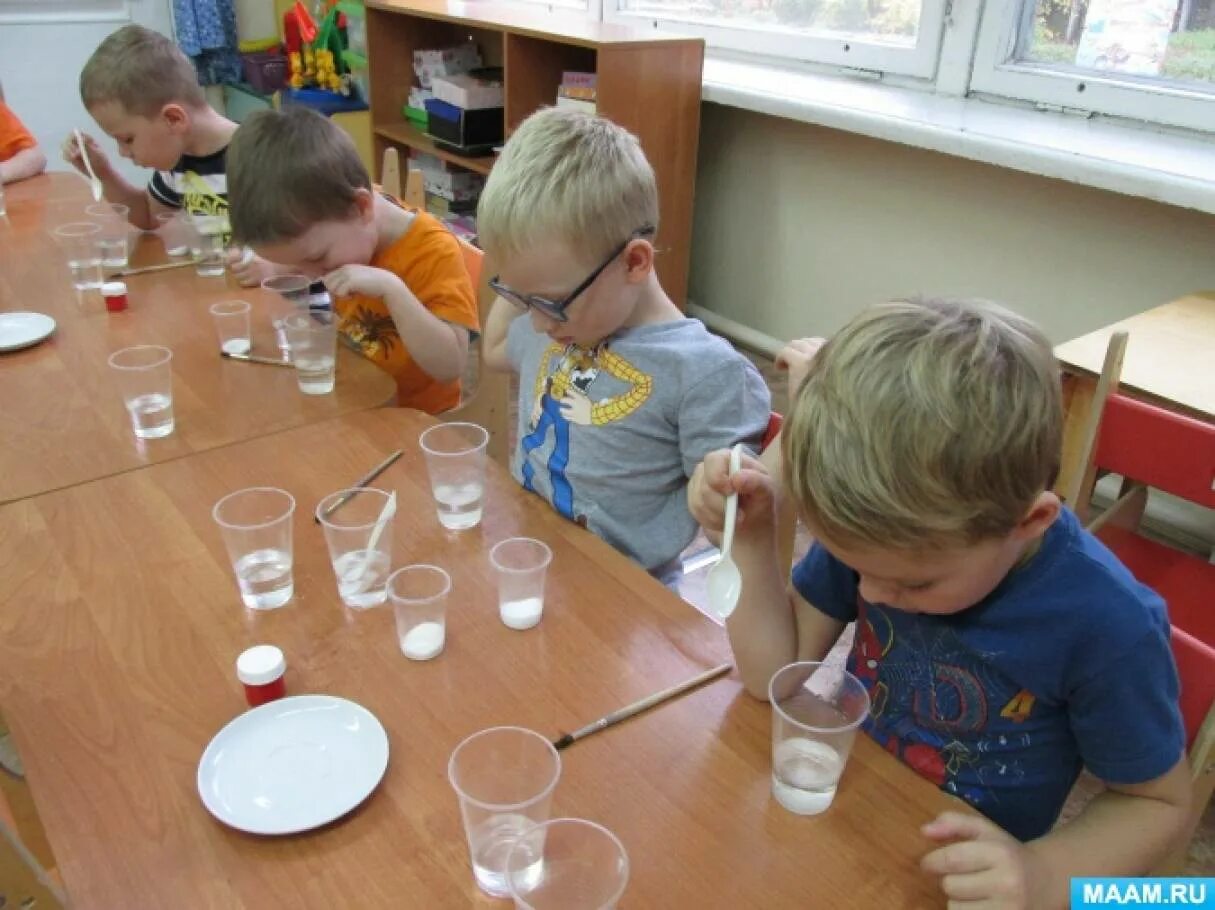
[176, 117]
[638, 259]
[1040, 515]
[364, 203]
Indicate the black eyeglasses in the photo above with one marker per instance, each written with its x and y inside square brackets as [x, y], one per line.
[555, 309]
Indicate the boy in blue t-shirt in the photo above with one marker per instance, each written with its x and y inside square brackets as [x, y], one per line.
[1003, 647]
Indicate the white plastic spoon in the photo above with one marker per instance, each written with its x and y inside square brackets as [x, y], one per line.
[724, 582]
[94, 183]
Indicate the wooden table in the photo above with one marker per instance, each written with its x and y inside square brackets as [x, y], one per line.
[120, 623]
[1169, 357]
[62, 420]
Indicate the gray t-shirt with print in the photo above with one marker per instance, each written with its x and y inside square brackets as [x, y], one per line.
[610, 435]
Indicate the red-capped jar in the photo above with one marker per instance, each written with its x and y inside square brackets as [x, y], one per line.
[260, 669]
[115, 295]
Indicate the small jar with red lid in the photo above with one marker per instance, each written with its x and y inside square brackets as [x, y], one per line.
[114, 293]
[260, 670]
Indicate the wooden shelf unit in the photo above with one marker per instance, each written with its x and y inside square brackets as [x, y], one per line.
[647, 82]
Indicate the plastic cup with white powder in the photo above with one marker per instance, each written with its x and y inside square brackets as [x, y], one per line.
[521, 564]
[419, 602]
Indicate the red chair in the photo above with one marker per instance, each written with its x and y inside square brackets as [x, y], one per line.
[1152, 448]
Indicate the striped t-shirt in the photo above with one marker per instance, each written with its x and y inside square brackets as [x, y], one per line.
[197, 184]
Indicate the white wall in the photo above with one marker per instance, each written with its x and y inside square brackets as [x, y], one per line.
[799, 226]
[40, 67]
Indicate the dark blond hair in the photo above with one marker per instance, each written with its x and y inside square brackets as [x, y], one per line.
[925, 423]
[142, 70]
[288, 170]
[567, 175]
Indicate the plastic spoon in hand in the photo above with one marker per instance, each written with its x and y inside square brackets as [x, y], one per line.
[724, 581]
[94, 183]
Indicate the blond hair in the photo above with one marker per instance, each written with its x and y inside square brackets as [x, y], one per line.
[288, 170]
[566, 174]
[925, 423]
[142, 70]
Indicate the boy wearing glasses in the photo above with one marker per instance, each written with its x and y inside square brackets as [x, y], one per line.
[300, 196]
[620, 395]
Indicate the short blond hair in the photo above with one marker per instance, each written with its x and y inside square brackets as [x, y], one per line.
[288, 170]
[142, 70]
[571, 176]
[925, 423]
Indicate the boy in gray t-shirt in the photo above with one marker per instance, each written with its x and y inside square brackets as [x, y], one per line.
[620, 395]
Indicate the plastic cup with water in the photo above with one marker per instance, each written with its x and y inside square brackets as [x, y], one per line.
[145, 378]
[313, 341]
[175, 233]
[504, 778]
[294, 290]
[256, 524]
[455, 461]
[212, 239]
[521, 565]
[816, 710]
[567, 863]
[419, 603]
[232, 325]
[80, 242]
[359, 536]
[115, 232]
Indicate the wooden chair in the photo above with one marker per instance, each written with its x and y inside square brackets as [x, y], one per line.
[485, 398]
[1152, 448]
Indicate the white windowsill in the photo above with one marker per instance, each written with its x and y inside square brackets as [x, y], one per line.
[1174, 169]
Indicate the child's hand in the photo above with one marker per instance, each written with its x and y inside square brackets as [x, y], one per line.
[97, 156]
[249, 269]
[361, 279]
[795, 359]
[984, 866]
[711, 483]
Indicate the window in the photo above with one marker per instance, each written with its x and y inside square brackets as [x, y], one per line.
[31, 11]
[1147, 59]
[896, 36]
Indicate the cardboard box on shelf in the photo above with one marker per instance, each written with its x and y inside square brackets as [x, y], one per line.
[445, 62]
[471, 91]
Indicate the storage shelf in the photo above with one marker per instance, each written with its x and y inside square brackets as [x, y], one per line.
[406, 133]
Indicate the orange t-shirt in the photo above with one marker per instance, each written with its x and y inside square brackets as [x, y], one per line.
[13, 135]
[428, 259]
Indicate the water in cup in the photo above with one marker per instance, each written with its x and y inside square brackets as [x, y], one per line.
[491, 842]
[363, 577]
[86, 273]
[316, 374]
[211, 254]
[805, 774]
[114, 252]
[151, 415]
[265, 578]
[459, 505]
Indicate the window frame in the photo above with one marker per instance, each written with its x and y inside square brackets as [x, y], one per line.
[995, 71]
[36, 12]
[839, 50]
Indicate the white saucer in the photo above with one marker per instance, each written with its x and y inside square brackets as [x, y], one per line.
[293, 764]
[20, 330]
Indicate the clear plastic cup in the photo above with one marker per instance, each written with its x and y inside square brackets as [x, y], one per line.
[175, 233]
[419, 603]
[504, 778]
[81, 245]
[115, 233]
[145, 379]
[256, 524]
[294, 290]
[521, 564]
[312, 338]
[359, 536]
[455, 461]
[816, 710]
[567, 863]
[212, 238]
[232, 325]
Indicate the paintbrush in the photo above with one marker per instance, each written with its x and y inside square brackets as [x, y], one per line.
[253, 358]
[637, 707]
[127, 273]
[359, 484]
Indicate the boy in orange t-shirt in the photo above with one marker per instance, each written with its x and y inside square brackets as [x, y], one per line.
[300, 196]
[20, 156]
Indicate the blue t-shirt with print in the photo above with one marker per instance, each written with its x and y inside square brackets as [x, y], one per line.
[1065, 664]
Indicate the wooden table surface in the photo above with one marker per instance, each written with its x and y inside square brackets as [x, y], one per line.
[62, 421]
[1170, 354]
[120, 623]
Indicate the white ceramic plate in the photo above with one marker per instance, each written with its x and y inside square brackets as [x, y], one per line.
[293, 764]
[20, 330]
